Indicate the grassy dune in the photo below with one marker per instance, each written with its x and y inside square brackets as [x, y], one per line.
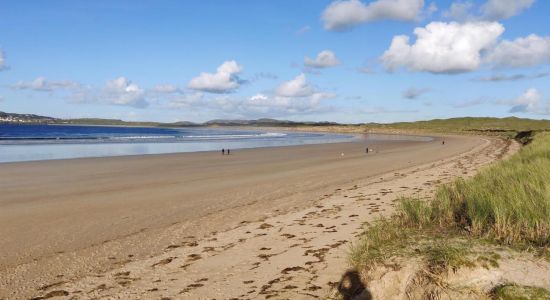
[470, 124]
[506, 205]
[508, 202]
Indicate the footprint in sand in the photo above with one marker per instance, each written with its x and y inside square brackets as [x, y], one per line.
[163, 262]
[288, 235]
[193, 257]
[265, 226]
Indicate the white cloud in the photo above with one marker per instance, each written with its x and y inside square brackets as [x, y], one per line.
[443, 47]
[258, 98]
[121, 91]
[223, 81]
[413, 93]
[503, 9]
[530, 101]
[297, 87]
[343, 14]
[45, 85]
[278, 106]
[521, 52]
[324, 59]
[292, 97]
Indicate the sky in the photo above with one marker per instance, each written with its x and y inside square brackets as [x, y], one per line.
[350, 61]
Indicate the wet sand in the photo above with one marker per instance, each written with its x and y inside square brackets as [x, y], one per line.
[62, 220]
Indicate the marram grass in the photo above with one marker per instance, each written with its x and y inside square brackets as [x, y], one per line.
[508, 202]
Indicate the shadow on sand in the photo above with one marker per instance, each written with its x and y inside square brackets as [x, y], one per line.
[352, 288]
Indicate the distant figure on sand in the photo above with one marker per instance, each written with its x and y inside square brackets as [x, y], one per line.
[228, 151]
[223, 151]
[367, 150]
[442, 142]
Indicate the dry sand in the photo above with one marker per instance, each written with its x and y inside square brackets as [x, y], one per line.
[261, 222]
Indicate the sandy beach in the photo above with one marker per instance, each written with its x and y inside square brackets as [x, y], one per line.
[260, 222]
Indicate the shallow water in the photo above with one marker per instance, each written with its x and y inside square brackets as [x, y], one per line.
[45, 142]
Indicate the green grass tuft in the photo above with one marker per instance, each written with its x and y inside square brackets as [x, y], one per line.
[517, 292]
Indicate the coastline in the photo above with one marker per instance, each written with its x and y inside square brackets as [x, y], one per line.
[151, 217]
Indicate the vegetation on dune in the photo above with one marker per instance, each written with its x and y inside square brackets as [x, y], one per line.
[507, 203]
[515, 292]
[471, 124]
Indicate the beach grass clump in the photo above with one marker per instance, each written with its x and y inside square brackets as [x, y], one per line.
[507, 203]
[519, 292]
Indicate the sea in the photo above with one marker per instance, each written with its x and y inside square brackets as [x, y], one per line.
[46, 142]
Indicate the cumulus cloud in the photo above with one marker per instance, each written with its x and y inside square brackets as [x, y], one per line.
[297, 87]
[258, 105]
[292, 97]
[324, 59]
[119, 91]
[443, 47]
[45, 85]
[530, 101]
[503, 9]
[267, 105]
[225, 79]
[521, 52]
[413, 93]
[343, 14]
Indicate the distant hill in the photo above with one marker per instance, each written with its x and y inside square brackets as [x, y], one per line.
[502, 126]
[25, 118]
[35, 119]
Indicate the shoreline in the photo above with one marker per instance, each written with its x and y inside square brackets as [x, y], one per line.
[317, 166]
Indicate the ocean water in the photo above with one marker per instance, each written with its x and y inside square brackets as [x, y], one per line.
[44, 142]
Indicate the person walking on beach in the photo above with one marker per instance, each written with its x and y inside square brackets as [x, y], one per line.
[228, 151]
[367, 150]
[223, 151]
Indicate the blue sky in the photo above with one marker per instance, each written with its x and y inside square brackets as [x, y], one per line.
[345, 61]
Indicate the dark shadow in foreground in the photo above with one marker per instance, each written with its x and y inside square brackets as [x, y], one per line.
[352, 288]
